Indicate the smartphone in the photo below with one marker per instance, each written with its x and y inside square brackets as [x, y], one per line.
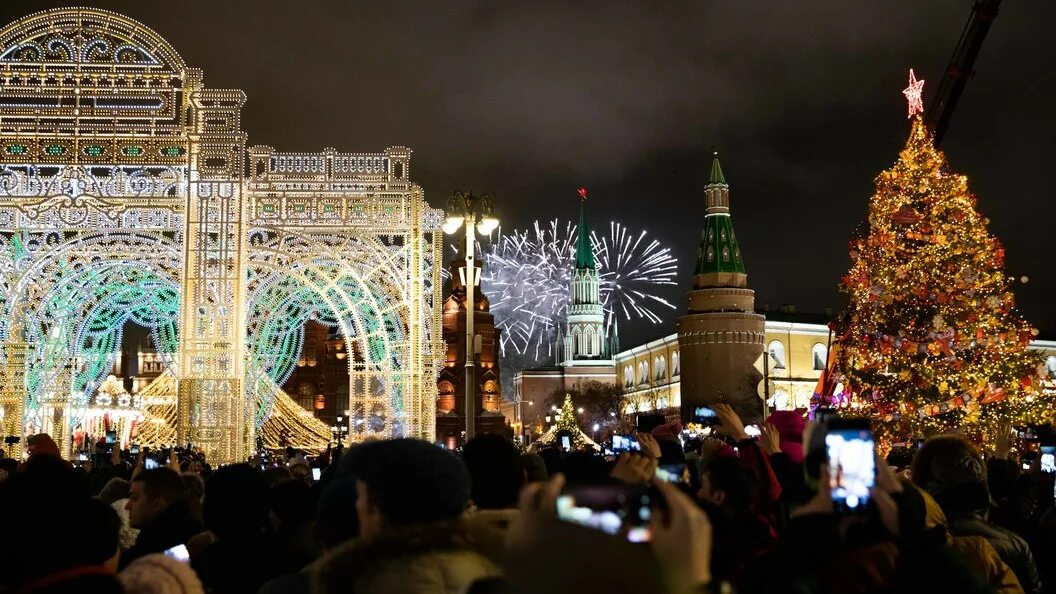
[673, 473]
[850, 450]
[620, 510]
[134, 450]
[83, 456]
[1048, 458]
[624, 443]
[566, 443]
[150, 463]
[111, 437]
[705, 416]
[179, 553]
[317, 473]
[823, 414]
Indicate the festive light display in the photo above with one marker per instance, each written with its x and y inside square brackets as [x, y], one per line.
[931, 341]
[914, 94]
[566, 422]
[124, 199]
[527, 274]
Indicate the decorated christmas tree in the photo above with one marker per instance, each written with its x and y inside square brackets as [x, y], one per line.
[566, 421]
[930, 341]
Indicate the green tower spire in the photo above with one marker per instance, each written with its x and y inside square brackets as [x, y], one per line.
[584, 251]
[718, 251]
[716, 170]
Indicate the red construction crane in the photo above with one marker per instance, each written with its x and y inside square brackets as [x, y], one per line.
[960, 70]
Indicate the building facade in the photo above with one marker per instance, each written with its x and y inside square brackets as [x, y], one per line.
[451, 380]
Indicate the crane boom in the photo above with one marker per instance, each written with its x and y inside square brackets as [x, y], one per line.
[960, 70]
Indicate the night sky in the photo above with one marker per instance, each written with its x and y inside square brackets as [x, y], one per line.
[530, 100]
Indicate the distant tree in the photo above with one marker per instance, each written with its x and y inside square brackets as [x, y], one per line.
[602, 403]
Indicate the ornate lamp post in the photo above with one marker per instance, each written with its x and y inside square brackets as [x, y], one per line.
[339, 430]
[465, 208]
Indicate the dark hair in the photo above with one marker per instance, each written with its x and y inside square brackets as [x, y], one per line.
[99, 526]
[951, 469]
[900, 457]
[534, 468]
[495, 471]
[192, 484]
[236, 501]
[585, 467]
[161, 482]
[9, 465]
[410, 480]
[277, 474]
[731, 477]
[336, 519]
[293, 502]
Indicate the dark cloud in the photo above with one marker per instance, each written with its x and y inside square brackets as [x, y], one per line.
[530, 100]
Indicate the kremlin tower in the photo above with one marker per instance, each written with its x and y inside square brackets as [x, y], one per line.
[584, 340]
[720, 337]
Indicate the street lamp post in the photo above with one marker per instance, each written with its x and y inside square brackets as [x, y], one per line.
[339, 429]
[473, 211]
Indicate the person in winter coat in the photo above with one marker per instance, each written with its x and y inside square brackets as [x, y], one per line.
[977, 551]
[951, 470]
[156, 507]
[410, 498]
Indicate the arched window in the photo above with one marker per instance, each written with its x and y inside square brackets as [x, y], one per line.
[660, 365]
[675, 370]
[777, 354]
[628, 376]
[1050, 366]
[643, 373]
[820, 355]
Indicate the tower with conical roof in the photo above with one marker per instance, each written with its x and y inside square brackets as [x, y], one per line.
[721, 337]
[584, 340]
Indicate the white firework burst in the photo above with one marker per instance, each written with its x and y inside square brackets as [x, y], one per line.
[527, 274]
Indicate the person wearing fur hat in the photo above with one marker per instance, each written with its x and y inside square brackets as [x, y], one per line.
[158, 574]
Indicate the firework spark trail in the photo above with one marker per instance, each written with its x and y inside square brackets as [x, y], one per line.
[527, 274]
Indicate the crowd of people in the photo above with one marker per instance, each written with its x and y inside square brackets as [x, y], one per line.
[744, 515]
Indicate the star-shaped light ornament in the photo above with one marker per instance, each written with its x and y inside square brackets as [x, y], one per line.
[913, 94]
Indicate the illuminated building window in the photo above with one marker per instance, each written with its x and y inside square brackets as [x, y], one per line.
[777, 354]
[820, 356]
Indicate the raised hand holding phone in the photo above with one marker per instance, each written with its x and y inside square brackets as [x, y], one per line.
[682, 540]
[730, 423]
[648, 444]
[634, 469]
[770, 441]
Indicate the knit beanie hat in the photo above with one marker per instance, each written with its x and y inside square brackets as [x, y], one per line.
[158, 574]
[413, 481]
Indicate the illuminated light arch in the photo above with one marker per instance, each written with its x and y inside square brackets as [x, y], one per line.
[347, 236]
[112, 39]
[342, 281]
